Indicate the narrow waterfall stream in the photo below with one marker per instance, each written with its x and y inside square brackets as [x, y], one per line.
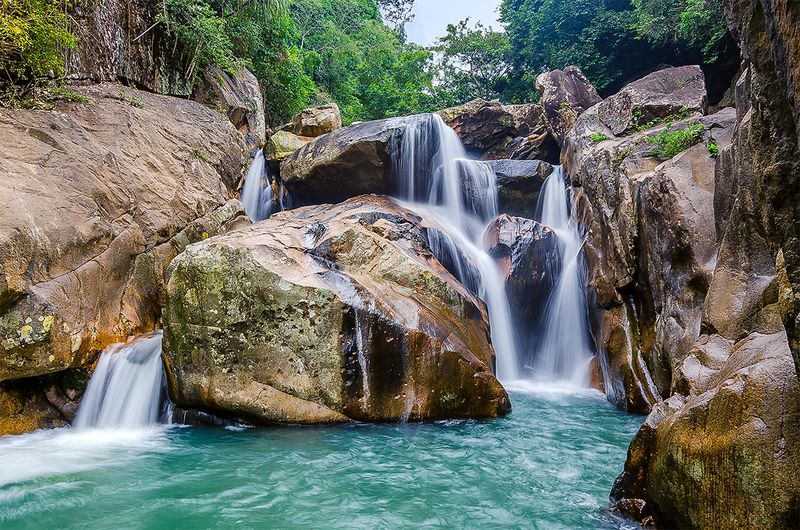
[257, 195]
[125, 391]
[564, 348]
[433, 174]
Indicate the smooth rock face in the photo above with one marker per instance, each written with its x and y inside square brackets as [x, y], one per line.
[519, 183]
[651, 249]
[118, 42]
[726, 454]
[315, 121]
[671, 91]
[529, 255]
[566, 94]
[282, 144]
[325, 314]
[98, 199]
[351, 161]
[238, 97]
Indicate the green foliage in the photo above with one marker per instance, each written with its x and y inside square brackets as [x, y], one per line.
[471, 63]
[33, 37]
[692, 23]
[131, 99]
[598, 137]
[670, 142]
[65, 94]
[713, 148]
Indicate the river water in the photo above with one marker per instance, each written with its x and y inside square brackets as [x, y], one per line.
[549, 464]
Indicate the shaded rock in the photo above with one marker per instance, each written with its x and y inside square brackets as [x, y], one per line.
[480, 124]
[348, 162]
[118, 40]
[531, 138]
[650, 249]
[325, 314]
[565, 95]
[315, 121]
[99, 199]
[529, 255]
[677, 91]
[519, 183]
[238, 97]
[282, 144]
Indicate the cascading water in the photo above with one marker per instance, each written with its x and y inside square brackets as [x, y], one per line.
[564, 348]
[435, 177]
[257, 195]
[126, 388]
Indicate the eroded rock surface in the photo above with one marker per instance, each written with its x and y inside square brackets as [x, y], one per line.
[99, 198]
[566, 94]
[325, 314]
[315, 121]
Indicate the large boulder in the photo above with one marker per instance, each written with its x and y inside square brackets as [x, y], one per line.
[238, 97]
[282, 144]
[325, 314]
[99, 198]
[565, 95]
[480, 124]
[351, 161]
[651, 245]
[529, 255]
[678, 92]
[519, 183]
[725, 454]
[315, 121]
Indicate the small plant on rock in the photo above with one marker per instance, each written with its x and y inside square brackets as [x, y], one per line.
[598, 137]
[713, 148]
[670, 142]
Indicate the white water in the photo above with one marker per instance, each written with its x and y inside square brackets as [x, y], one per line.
[564, 350]
[125, 389]
[257, 195]
[436, 178]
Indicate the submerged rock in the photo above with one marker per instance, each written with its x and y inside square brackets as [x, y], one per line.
[99, 198]
[325, 314]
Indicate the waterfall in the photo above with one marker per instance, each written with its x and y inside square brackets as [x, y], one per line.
[126, 388]
[257, 195]
[435, 177]
[564, 350]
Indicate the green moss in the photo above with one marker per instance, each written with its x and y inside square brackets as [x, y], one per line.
[598, 137]
[65, 94]
[131, 99]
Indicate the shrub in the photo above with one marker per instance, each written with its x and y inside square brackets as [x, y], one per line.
[598, 137]
[33, 37]
[671, 142]
[713, 148]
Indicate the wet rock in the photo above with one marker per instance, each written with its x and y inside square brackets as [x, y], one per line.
[325, 314]
[99, 199]
[530, 257]
[565, 95]
[315, 121]
[519, 183]
[348, 162]
[282, 144]
[238, 97]
[679, 92]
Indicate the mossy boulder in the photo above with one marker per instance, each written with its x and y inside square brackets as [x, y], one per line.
[326, 314]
